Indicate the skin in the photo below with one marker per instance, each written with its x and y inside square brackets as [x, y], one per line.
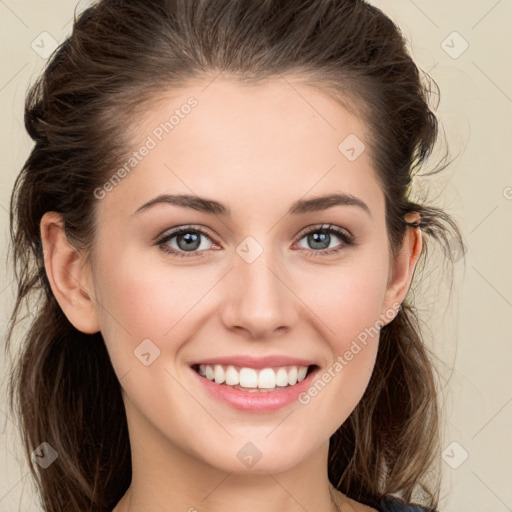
[256, 149]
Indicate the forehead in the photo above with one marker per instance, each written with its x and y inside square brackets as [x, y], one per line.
[277, 140]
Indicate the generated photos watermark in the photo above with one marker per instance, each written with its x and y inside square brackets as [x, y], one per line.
[343, 360]
[152, 140]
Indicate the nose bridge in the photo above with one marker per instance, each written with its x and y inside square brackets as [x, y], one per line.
[259, 299]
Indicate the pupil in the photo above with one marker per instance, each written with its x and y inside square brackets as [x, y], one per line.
[313, 239]
[190, 239]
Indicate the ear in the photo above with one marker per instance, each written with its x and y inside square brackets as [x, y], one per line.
[69, 276]
[402, 268]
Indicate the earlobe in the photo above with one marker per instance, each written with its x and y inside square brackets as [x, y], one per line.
[403, 266]
[68, 276]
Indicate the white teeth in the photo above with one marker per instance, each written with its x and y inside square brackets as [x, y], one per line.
[282, 377]
[266, 378]
[248, 378]
[218, 374]
[292, 376]
[232, 376]
[302, 373]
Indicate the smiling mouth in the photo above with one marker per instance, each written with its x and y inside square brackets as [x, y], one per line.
[252, 379]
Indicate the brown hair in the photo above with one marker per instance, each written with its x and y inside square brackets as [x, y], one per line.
[120, 54]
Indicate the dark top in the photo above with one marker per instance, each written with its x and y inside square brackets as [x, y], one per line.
[393, 504]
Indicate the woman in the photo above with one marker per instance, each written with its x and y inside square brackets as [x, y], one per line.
[217, 210]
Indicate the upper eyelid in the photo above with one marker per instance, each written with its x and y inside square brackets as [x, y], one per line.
[186, 227]
[324, 226]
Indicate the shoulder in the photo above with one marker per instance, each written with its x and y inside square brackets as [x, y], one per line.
[393, 504]
[385, 504]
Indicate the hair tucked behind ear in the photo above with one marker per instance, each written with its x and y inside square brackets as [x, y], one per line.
[120, 54]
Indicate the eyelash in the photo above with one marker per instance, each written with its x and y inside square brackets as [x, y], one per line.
[346, 238]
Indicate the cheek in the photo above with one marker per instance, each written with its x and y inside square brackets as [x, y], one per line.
[350, 309]
[145, 298]
[348, 299]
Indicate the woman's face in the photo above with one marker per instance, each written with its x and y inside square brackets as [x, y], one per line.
[248, 280]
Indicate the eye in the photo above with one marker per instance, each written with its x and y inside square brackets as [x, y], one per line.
[320, 237]
[188, 240]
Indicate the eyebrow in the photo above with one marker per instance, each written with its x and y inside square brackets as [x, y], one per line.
[211, 206]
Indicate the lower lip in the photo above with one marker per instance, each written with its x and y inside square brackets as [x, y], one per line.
[256, 401]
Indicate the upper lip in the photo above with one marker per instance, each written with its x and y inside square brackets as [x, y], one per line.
[255, 362]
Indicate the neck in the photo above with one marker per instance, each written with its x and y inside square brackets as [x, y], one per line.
[166, 478]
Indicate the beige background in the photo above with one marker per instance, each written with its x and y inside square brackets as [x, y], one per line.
[470, 331]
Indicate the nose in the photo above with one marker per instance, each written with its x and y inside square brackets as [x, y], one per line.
[259, 299]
